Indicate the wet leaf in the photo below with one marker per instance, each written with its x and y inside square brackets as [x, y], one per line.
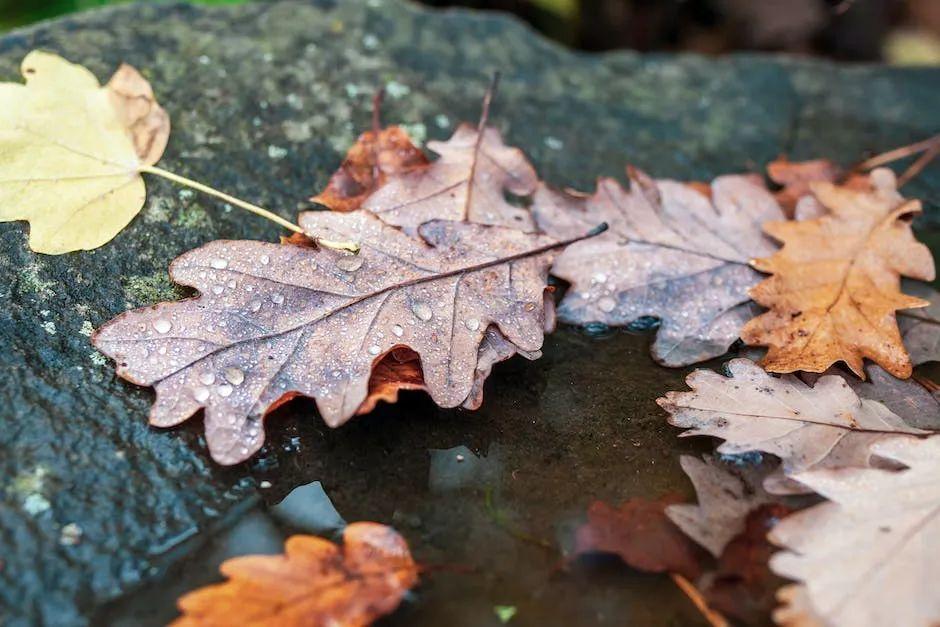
[275, 321]
[377, 155]
[725, 497]
[467, 182]
[920, 328]
[824, 426]
[870, 555]
[315, 582]
[71, 151]
[641, 534]
[836, 282]
[671, 252]
[742, 586]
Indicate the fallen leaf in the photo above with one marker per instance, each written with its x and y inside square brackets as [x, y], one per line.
[670, 252]
[725, 497]
[920, 328]
[466, 183]
[641, 534]
[795, 178]
[377, 155]
[314, 583]
[742, 585]
[908, 399]
[824, 426]
[836, 282]
[869, 556]
[71, 152]
[279, 320]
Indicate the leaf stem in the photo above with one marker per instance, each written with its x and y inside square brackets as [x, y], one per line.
[352, 247]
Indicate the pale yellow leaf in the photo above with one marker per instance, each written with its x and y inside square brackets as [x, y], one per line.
[71, 152]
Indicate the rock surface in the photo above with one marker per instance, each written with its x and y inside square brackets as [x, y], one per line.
[264, 99]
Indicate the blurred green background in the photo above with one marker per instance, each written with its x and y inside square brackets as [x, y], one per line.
[896, 31]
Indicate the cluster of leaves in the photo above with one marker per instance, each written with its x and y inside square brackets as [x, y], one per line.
[423, 275]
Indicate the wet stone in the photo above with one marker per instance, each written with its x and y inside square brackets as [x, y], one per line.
[76, 452]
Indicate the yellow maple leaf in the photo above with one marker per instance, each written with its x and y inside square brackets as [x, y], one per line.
[836, 282]
[71, 151]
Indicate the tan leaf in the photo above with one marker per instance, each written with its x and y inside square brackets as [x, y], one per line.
[377, 155]
[71, 151]
[824, 426]
[274, 320]
[795, 178]
[671, 252]
[315, 582]
[870, 556]
[725, 498]
[467, 182]
[836, 283]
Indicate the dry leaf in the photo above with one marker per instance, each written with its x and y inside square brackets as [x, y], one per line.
[795, 178]
[670, 252]
[314, 583]
[642, 536]
[377, 155]
[466, 183]
[725, 498]
[920, 328]
[279, 320]
[869, 557]
[71, 150]
[835, 288]
[824, 426]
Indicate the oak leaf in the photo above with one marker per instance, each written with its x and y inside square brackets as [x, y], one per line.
[920, 328]
[824, 426]
[466, 183]
[671, 252]
[377, 155]
[836, 282]
[71, 152]
[274, 321]
[315, 582]
[795, 178]
[641, 534]
[870, 555]
[725, 498]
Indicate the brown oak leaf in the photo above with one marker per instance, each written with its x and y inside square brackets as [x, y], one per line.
[467, 182]
[671, 252]
[641, 534]
[836, 282]
[377, 154]
[795, 178]
[315, 582]
[824, 426]
[274, 321]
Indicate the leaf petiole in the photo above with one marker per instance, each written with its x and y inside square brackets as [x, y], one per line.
[352, 247]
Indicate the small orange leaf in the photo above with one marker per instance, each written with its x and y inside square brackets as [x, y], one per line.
[314, 583]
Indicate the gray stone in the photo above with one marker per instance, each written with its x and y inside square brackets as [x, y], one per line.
[264, 99]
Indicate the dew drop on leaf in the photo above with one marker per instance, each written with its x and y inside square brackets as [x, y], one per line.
[421, 311]
[207, 378]
[473, 324]
[225, 390]
[397, 330]
[234, 376]
[606, 304]
[162, 325]
[350, 263]
[277, 298]
[201, 394]
[219, 264]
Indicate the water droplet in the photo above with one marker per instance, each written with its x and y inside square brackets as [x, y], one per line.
[234, 376]
[265, 259]
[207, 378]
[374, 349]
[600, 277]
[219, 264]
[473, 324]
[530, 306]
[349, 263]
[201, 394]
[421, 311]
[397, 330]
[277, 297]
[162, 325]
[231, 283]
[606, 304]
[255, 305]
[225, 390]
[217, 289]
